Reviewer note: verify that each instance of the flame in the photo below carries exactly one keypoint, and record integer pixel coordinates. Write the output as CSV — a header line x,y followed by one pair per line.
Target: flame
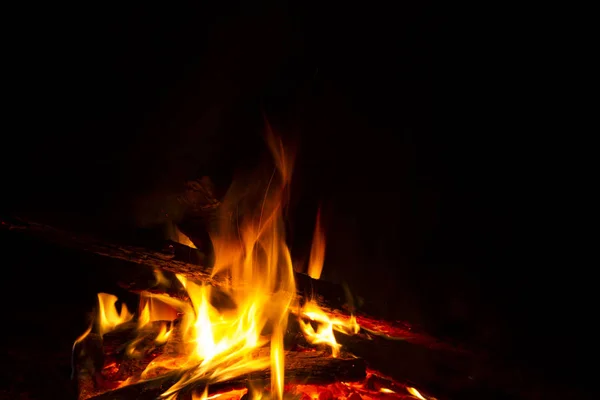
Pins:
x,y
157,308
250,250
230,395
163,333
277,364
215,343
326,326
182,238
82,337
317,251
144,317
415,393
160,278
108,316
174,233
203,396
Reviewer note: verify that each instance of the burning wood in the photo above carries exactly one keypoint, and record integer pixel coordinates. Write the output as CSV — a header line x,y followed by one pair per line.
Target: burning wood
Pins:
x,y
175,346
254,267
329,297
314,367
308,374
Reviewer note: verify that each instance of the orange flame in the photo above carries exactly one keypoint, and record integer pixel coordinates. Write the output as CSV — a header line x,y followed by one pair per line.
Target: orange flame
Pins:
x,y
250,249
326,326
317,251
163,333
108,316
179,237
415,393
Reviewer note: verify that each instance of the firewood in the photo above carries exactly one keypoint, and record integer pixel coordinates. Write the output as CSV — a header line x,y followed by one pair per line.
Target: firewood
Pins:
x,y
167,260
300,367
102,363
330,297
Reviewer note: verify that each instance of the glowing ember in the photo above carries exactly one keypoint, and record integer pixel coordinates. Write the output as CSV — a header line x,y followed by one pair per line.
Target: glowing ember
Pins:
x,y
339,391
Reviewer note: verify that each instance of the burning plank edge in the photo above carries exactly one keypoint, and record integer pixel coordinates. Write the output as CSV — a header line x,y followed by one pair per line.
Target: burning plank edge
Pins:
x,y
300,368
330,297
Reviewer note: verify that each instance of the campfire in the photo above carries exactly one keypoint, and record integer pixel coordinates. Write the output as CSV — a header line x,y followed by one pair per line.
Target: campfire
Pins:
x,y
252,335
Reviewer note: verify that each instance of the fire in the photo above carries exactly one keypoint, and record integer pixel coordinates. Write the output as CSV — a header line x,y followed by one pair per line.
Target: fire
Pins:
x,y
163,333
250,250
108,316
370,389
415,393
326,326
214,343
317,252
175,234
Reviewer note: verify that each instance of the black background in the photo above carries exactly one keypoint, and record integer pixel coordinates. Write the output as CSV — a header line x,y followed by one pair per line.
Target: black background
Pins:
x,y
417,130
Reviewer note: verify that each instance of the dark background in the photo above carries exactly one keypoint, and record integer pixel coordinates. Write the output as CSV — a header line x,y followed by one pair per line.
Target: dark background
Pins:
x,y
416,128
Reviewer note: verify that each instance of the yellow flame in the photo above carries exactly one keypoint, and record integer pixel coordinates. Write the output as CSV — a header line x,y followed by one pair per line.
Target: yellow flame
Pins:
x,y
182,279
386,390
108,316
250,250
326,326
323,335
415,393
182,238
160,278
317,251
144,317
163,333
277,363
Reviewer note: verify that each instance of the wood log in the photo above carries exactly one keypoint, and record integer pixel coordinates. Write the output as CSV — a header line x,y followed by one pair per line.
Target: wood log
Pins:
x,y
168,258
300,367
175,259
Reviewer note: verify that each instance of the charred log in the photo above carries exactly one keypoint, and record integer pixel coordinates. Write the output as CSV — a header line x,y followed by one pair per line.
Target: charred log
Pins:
x,y
173,258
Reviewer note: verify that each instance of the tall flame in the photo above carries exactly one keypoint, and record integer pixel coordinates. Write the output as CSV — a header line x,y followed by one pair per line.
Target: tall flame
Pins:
x,y
250,250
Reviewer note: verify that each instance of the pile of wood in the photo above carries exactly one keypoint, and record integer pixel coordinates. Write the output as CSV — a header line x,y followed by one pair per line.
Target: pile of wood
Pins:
x,y
103,363
391,347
